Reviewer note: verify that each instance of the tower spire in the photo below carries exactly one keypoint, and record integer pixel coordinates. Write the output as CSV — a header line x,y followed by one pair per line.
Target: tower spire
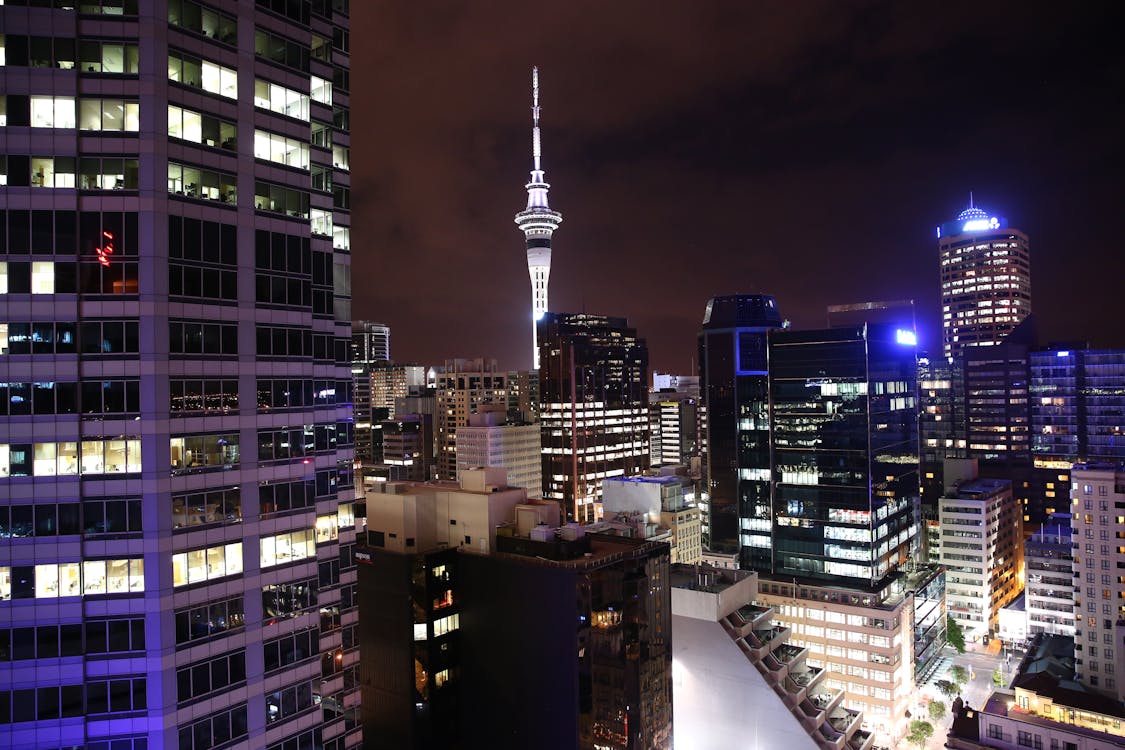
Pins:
x,y
536,149
537,222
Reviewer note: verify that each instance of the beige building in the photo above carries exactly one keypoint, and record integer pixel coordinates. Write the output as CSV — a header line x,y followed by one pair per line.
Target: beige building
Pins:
x,y
1097,492
465,385
866,641
412,517
488,441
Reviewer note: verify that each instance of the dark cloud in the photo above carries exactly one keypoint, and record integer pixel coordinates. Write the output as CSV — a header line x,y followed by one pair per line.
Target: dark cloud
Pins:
x,y
803,149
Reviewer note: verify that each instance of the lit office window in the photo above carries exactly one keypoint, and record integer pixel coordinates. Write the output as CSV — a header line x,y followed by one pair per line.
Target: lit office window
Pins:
x,y
320,90
199,128
278,148
202,74
281,100
109,114
287,548
209,563
52,112
204,184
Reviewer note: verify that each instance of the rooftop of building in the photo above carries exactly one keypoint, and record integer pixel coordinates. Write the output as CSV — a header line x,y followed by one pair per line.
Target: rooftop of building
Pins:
x,y
705,578
586,551
1017,605
976,489
1104,467
742,311
1048,654
1003,703
888,596
665,481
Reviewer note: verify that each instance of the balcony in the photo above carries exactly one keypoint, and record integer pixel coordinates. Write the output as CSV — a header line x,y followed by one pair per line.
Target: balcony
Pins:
x,y
772,637
816,707
861,740
751,617
845,720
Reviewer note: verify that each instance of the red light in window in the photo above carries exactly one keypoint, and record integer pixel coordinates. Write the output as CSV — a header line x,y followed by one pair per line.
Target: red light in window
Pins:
x,y
106,248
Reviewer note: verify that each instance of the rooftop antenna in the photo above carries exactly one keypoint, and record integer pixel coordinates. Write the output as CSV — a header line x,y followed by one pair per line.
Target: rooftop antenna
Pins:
x,y
970,192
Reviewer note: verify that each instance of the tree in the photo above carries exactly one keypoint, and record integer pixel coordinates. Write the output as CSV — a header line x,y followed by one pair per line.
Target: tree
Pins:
x,y
955,635
998,678
947,688
959,674
936,710
920,732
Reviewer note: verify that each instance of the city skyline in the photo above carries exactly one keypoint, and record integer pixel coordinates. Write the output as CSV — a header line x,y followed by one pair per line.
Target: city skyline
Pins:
x,y
700,152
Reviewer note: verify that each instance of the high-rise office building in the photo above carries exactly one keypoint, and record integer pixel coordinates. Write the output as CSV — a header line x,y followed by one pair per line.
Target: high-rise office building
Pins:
x,y
465,385
174,257
674,425
734,384
538,223
593,407
985,280
391,381
173,282
941,426
1077,399
843,420
1097,492
371,342
523,396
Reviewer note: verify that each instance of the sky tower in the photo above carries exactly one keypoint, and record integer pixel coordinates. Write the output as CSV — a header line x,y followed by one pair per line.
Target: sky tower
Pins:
x,y
537,222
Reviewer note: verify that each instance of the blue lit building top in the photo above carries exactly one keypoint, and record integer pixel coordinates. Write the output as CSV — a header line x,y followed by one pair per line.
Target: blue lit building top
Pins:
x,y
972,220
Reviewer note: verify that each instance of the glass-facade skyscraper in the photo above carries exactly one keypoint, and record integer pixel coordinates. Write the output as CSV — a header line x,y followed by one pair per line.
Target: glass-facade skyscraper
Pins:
x,y
734,385
845,452
176,518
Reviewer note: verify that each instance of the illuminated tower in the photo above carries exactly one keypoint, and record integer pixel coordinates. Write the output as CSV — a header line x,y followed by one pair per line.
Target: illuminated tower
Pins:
x,y
537,222
985,280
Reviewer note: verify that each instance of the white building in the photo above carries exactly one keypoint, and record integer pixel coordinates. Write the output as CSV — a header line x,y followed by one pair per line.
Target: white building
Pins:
x,y
488,441
982,551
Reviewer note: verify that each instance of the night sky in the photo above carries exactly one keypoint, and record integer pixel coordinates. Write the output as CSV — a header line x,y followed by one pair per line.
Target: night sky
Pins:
x,y
801,149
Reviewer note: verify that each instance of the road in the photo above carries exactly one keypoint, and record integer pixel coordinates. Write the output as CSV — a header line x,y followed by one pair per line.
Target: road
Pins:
x,y
981,665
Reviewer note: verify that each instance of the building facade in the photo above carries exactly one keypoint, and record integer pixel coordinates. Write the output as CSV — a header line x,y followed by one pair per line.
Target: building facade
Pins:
x,y
734,383
593,408
674,426
985,280
371,342
174,284
1097,492
843,419
982,551
1048,559
864,641
464,386
490,441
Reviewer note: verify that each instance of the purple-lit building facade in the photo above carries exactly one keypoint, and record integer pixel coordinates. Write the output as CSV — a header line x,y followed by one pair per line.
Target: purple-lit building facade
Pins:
x,y
176,518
